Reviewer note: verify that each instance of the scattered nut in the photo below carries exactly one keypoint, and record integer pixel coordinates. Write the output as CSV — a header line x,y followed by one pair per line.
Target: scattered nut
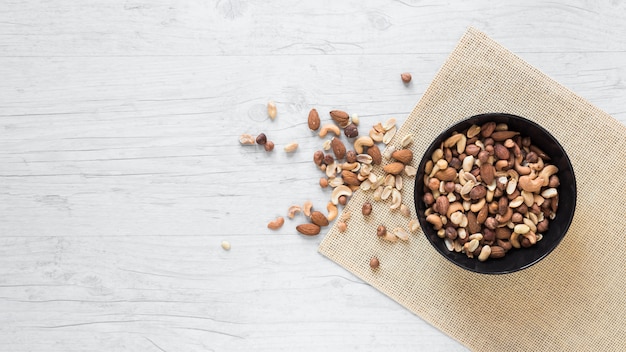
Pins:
x,y
340,117
308,229
406,77
306,209
314,120
269,146
381,231
355,119
271,109
367,208
261,139
226,245
351,131
319,219
293,210
246,139
291,147
276,223
374,263
332,211
342,226
331,127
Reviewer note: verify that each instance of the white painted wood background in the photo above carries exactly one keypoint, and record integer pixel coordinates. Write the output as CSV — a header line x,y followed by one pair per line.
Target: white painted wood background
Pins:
x,y
121,171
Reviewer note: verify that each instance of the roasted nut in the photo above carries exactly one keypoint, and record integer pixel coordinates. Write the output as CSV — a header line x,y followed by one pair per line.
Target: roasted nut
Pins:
x,y
226,245
374,263
367,208
351,131
406,77
340,117
374,152
363,141
338,148
276,223
331,127
314,120
261,139
318,157
269,146
309,229
246,139
291,147
319,219
342,226
404,156
271,109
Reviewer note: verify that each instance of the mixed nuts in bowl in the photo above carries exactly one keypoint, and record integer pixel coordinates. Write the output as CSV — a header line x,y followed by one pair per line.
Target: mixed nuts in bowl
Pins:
x,y
495,193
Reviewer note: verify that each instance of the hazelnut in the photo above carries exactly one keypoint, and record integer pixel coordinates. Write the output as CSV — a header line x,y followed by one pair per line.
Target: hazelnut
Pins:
x,y
269,146
374,263
351,131
318,157
406,77
328,159
343,200
261,139
381,231
367,208
323,182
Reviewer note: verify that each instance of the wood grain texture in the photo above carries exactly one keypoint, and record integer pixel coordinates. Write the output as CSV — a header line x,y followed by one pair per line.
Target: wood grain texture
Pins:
x,y
121,171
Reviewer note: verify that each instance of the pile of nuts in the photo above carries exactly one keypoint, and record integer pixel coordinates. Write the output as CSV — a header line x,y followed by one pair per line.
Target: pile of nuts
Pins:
x,y
488,190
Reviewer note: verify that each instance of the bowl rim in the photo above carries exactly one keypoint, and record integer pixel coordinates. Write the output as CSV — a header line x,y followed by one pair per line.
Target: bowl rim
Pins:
x,y
419,179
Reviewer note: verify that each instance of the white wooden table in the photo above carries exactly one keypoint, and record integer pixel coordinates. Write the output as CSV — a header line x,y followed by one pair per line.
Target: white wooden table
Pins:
x,y
121,171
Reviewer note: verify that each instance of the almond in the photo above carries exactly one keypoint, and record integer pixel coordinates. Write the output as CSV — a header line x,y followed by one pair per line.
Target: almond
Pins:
x,y
314,120
308,229
487,173
501,136
319,219
340,117
350,178
442,204
447,174
403,155
496,252
501,152
487,129
374,152
338,148
472,223
394,168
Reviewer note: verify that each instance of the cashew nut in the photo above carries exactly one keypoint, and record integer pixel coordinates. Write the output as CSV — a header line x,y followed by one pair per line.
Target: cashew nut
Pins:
x,y
435,220
331,127
308,205
360,142
530,185
515,240
332,211
530,235
522,170
293,210
548,171
454,207
475,207
339,191
276,223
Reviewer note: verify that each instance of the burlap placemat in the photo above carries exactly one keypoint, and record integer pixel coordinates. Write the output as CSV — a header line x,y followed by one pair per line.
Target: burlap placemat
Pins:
x,y
575,298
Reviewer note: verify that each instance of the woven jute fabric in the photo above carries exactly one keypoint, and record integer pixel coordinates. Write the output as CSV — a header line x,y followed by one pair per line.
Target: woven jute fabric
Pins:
x,y
572,300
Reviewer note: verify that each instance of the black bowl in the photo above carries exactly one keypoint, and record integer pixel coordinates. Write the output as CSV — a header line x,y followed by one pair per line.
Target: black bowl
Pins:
x,y
515,259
